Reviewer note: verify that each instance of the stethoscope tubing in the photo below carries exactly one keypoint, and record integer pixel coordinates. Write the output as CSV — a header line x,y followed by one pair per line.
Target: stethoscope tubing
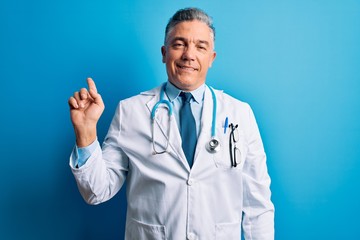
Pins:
x,y
210,146
170,108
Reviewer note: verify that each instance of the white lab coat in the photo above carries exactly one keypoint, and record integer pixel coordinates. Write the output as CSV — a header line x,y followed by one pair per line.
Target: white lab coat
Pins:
x,y
167,199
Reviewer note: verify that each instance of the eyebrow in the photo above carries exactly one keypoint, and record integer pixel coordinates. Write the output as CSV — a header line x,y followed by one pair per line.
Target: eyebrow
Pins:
x,y
185,40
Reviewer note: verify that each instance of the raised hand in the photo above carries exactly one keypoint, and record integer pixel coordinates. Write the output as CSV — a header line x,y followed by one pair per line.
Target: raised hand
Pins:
x,y
86,107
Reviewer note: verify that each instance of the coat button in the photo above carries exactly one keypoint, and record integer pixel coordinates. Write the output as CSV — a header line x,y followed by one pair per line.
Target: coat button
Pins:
x,y
190,181
191,236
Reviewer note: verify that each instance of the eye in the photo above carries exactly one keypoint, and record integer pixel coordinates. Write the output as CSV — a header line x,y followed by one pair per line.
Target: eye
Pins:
x,y
202,47
178,45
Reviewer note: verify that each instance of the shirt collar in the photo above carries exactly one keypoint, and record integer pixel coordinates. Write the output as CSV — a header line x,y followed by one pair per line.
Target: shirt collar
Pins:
x,y
173,92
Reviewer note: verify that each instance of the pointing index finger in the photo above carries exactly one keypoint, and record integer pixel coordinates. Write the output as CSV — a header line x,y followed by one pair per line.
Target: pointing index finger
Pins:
x,y
92,86
93,92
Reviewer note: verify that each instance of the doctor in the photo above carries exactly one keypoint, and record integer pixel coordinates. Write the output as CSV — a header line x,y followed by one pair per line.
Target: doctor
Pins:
x,y
158,141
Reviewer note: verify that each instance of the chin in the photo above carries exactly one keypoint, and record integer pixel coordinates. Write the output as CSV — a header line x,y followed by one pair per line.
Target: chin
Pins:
x,y
187,85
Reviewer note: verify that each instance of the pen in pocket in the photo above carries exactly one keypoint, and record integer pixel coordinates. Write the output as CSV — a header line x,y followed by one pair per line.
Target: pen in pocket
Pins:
x,y
226,124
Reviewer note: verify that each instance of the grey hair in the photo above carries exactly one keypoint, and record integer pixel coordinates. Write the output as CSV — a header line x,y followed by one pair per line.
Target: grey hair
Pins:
x,y
189,14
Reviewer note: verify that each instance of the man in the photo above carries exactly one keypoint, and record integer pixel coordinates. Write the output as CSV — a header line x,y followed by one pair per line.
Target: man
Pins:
x,y
177,186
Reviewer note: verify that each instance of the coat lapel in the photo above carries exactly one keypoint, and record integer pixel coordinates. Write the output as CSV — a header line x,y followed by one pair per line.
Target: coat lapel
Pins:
x,y
205,132
201,154
161,126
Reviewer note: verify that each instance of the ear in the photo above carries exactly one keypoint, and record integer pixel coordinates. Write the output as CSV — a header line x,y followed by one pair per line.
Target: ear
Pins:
x,y
163,53
212,58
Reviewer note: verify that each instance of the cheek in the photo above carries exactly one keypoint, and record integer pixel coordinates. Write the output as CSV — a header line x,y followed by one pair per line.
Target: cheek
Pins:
x,y
206,63
210,61
169,59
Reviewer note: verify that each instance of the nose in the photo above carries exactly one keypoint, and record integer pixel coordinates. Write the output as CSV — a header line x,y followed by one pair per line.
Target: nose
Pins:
x,y
189,53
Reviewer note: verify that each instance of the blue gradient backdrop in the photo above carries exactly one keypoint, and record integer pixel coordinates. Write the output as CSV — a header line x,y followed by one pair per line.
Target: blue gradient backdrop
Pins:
x,y
295,62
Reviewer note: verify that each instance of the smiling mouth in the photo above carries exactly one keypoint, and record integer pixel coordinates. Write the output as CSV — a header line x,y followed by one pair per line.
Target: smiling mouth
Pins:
x,y
186,68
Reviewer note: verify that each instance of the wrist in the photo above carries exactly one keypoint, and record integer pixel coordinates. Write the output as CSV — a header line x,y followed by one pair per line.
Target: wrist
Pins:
x,y
85,137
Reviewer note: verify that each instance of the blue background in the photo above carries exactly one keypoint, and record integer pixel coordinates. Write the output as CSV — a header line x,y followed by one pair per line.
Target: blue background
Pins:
x,y
295,62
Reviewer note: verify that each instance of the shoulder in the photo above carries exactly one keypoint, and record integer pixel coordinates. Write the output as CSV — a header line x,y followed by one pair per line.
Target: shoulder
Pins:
x,y
227,100
142,97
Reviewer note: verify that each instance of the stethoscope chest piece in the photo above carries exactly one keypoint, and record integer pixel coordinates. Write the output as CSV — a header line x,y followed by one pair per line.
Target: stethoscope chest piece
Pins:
x,y
213,145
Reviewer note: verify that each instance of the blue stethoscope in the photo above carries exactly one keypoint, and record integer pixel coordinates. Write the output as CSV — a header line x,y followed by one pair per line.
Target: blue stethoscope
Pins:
x,y
212,146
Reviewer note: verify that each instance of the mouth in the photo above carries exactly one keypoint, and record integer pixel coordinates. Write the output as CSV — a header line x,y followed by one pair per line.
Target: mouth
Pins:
x,y
186,68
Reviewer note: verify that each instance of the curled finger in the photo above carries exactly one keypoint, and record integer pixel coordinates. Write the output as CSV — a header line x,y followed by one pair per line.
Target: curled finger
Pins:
x,y
73,103
84,94
80,102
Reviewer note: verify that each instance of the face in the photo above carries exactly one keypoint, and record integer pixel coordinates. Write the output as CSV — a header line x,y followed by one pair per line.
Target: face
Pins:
x,y
188,54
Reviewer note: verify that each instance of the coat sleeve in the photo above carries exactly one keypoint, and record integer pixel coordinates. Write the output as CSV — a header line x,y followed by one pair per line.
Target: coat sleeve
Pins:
x,y
258,210
104,173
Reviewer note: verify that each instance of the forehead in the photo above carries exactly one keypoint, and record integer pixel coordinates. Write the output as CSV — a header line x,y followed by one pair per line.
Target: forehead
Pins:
x,y
191,30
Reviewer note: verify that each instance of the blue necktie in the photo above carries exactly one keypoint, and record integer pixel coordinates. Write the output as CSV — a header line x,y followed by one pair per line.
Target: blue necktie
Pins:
x,y
187,128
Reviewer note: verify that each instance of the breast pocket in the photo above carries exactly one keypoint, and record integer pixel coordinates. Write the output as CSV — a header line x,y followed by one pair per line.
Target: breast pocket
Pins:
x,y
231,153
